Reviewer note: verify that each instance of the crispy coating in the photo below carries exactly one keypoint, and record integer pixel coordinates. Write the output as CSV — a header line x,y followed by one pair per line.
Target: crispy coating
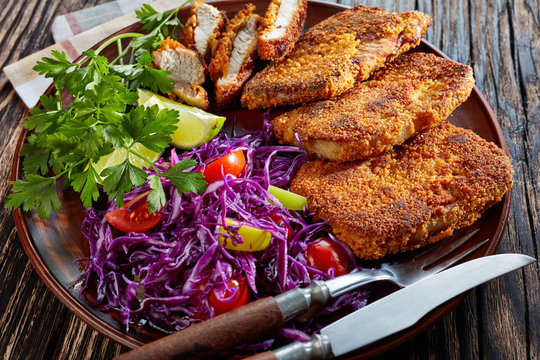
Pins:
x,y
203,37
418,193
235,57
312,71
186,69
276,41
220,63
334,54
412,94
187,36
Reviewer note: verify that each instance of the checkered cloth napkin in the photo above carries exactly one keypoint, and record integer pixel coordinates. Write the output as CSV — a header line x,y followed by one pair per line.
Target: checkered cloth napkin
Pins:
x,y
74,33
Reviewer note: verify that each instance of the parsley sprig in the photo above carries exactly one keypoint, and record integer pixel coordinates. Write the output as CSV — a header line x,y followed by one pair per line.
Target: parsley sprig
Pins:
x,y
100,115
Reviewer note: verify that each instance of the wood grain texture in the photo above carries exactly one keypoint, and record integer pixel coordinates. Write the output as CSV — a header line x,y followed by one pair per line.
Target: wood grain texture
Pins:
x,y
206,339
500,320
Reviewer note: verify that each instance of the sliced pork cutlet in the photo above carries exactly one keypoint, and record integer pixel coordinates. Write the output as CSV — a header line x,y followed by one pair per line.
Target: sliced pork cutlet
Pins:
x,y
412,94
203,29
417,194
380,36
235,57
186,69
333,55
282,26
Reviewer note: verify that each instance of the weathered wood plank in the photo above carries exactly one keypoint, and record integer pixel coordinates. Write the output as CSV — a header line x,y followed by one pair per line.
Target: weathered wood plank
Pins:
x,y
507,37
500,320
526,55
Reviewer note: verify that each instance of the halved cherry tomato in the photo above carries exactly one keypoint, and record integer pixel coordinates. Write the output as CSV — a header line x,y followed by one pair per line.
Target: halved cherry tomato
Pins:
x,y
136,220
232,163
325,254
196,298
279,221
237,297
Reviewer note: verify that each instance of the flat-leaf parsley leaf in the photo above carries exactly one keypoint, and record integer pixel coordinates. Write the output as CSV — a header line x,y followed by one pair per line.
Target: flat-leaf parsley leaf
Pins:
x,y
100,114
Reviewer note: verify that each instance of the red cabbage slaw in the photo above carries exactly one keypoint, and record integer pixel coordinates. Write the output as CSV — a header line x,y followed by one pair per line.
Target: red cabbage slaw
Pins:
x,y
162,278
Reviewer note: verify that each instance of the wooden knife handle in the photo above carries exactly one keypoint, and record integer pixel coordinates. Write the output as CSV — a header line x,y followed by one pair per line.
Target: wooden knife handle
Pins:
x,y
267,355
214,336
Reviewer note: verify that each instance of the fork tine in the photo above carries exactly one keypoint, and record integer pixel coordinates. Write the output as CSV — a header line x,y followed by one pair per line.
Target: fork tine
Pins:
x,y
432,255
449,262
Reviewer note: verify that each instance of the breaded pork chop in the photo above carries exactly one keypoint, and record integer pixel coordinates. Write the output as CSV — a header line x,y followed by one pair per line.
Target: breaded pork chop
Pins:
x,y
203,29
186,69
235,56
418,193
282,26
334,54
412,94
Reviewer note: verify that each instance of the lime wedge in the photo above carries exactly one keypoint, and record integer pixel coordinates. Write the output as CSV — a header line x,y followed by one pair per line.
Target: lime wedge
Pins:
x,y
254,239
195,126
144,95
119,155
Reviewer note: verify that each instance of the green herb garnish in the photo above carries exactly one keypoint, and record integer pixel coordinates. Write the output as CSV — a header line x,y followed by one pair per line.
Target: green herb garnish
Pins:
x,y
100,115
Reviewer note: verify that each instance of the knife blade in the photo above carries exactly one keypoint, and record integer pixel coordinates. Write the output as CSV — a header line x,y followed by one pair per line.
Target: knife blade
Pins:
x,y
398,311
251,321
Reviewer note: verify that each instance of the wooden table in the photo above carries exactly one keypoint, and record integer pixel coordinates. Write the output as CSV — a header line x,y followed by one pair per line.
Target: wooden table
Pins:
x,y
499,320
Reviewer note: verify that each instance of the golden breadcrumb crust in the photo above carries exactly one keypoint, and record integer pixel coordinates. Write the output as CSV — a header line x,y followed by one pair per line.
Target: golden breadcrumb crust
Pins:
x,y
412,94
187,36
195,96
169,44
192,94
276,48
418,193
312,71
230,91
213,41
334,54
381,35
219,67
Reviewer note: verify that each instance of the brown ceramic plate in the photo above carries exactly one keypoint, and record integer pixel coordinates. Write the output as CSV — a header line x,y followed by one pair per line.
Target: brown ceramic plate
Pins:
x,y
54,244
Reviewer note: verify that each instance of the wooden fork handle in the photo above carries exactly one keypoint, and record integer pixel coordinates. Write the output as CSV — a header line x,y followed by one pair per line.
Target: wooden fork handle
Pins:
x,y
214,336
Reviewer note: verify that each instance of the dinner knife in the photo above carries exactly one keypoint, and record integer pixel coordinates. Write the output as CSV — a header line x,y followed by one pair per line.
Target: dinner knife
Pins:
x,y
248,322
251,321
398,311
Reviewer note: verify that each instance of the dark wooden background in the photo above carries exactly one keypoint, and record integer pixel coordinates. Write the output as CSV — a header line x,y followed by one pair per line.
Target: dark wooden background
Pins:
x,y
499,320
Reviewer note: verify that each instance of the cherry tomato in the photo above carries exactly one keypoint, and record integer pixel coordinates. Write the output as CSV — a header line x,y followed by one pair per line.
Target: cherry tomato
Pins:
x,y
232,163
279,220
325,254
136,220
198,313
237,297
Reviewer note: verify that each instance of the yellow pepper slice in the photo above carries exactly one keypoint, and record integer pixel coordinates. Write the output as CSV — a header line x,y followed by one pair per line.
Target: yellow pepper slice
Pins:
x,y
254,239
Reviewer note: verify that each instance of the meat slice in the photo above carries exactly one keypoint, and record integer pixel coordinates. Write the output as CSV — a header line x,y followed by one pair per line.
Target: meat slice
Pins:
x,y
235,57
412,94
203,29
380,36
186,69
416,194
282,26
334,54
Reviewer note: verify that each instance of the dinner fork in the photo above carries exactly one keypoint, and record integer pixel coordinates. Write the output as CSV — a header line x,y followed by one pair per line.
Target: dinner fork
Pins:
x,y
252,321
403,271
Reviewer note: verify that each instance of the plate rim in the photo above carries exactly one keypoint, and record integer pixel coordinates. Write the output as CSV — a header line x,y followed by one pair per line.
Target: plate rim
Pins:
x,y
104,328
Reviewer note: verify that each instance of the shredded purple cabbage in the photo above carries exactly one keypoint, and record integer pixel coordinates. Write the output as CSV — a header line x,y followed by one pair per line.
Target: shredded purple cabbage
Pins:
x,y
163,278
